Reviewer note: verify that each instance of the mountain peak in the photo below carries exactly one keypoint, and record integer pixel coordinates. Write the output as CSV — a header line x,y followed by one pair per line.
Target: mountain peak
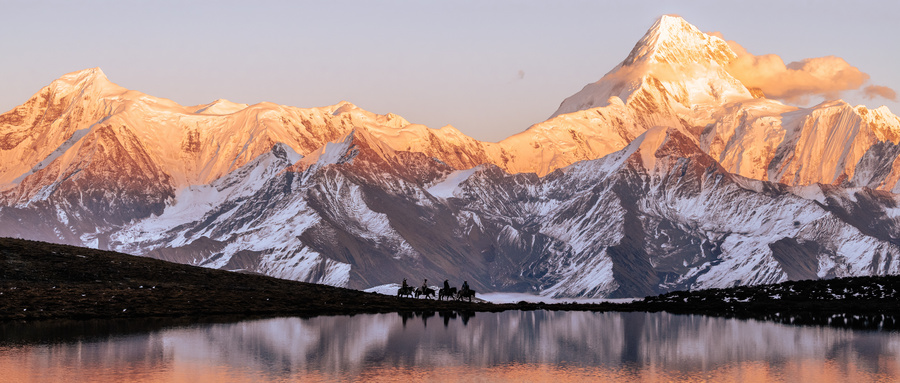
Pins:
x,y
84,76
220,106
344,107
648,143
78,81
671,25
674,58
673,40
661,142
95,72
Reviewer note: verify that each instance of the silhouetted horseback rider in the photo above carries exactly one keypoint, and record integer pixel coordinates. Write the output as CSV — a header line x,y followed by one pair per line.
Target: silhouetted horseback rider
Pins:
x,y
405,290
465,292
425,284
447,291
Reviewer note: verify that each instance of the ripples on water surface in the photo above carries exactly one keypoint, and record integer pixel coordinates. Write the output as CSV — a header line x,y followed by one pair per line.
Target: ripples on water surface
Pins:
x,y
507,346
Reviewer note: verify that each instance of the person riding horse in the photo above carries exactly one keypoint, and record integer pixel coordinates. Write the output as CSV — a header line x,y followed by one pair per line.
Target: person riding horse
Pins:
x,y
465,292
447,291
405,290
427,292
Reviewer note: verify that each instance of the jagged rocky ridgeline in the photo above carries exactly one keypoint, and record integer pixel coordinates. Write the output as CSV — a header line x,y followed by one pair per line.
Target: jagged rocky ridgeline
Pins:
x,y
657,177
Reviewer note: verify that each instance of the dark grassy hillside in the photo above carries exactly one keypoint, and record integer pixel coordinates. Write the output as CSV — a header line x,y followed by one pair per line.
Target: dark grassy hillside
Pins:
x,y
40,281
858,302
43,280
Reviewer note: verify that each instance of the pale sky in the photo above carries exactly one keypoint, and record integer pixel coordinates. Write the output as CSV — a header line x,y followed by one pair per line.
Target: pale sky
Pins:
x,y
489,68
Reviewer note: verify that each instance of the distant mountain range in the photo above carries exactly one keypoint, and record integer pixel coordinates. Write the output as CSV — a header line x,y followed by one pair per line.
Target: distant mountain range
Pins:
x,y
668,173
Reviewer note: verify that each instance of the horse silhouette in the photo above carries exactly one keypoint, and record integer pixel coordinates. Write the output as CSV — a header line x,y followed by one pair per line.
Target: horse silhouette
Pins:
x,y
449,293
405,292
467,293
427,292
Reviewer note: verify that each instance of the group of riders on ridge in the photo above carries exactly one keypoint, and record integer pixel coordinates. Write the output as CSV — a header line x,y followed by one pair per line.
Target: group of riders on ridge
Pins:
x,y
446,292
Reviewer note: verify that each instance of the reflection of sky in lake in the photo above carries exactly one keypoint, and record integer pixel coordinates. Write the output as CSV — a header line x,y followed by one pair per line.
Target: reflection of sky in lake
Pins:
x,y
513,345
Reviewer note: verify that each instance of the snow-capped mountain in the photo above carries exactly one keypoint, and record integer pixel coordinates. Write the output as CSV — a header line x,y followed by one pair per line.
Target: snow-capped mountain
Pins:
x,y
658,215
667,173
677,76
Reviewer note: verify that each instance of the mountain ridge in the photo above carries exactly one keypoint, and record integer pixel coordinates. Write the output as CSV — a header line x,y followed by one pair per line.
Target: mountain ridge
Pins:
x,y
667,173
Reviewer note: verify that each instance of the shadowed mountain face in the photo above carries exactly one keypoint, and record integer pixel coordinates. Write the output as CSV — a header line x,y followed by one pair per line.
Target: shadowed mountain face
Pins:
x,y
659,176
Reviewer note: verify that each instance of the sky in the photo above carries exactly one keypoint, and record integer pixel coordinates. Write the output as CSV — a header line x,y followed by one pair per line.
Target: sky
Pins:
x,y
489,68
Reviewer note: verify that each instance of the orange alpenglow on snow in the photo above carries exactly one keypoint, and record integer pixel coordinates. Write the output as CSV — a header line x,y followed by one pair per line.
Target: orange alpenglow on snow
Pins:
x,y
319,194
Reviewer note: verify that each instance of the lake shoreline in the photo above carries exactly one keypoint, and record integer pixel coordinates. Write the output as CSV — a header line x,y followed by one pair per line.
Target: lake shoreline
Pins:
x,y
41,281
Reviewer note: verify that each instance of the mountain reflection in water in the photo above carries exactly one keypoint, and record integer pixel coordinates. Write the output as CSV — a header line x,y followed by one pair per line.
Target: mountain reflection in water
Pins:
x,y
447,346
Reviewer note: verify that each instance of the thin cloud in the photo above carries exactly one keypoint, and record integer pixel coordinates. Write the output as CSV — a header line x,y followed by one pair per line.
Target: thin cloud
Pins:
x,y
873,91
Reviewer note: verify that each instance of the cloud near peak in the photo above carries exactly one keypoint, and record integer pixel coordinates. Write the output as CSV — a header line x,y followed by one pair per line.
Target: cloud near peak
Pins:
x,y
797,81
873,91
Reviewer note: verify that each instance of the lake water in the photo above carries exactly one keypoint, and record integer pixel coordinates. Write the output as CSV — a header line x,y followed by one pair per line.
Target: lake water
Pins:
x,y
508,346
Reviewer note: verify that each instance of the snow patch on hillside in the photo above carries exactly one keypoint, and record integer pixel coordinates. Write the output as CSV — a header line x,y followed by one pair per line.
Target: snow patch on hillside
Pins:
x,y
449,186
532,298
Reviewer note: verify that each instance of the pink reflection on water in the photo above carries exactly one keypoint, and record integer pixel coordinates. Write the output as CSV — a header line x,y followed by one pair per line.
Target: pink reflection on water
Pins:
x,y
491,347
18,370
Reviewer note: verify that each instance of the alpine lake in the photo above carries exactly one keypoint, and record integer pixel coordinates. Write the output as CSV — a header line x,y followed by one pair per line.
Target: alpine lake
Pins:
x,y
509,346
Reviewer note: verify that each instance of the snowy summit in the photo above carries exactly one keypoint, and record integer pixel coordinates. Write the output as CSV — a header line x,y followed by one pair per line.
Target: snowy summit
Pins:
x,y
667,173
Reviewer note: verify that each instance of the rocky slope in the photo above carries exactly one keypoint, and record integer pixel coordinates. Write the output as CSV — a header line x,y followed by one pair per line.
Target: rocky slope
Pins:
x,y
656,216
